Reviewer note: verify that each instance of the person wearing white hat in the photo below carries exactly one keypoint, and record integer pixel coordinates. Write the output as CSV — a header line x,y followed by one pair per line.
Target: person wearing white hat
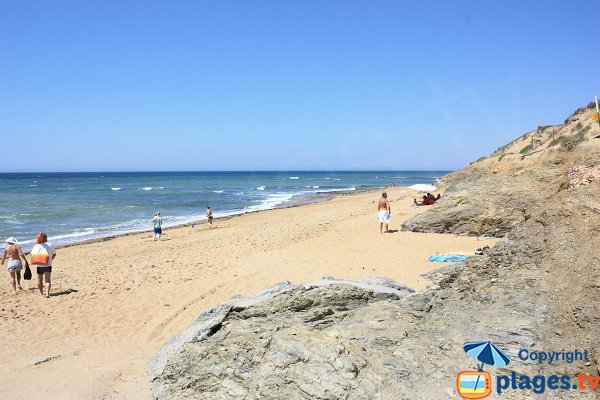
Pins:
x,y
13,253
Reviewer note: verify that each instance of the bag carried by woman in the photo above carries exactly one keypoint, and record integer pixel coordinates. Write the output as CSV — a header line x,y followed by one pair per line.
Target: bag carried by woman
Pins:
x,y
39,255
27,273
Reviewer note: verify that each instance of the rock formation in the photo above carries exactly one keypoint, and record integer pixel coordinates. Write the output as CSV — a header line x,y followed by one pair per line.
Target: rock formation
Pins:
x,y
538,289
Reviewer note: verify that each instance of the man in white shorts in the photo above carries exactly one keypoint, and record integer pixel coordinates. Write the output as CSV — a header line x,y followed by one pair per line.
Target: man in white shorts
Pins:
x,y
384,212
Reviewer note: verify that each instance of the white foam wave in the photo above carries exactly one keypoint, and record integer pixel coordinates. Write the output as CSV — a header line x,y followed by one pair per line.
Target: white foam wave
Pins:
x,y
347,189
115,189
147,188
33,185
11,219
271,201
260,188
315,187
336,179
294,177
76,234
217,191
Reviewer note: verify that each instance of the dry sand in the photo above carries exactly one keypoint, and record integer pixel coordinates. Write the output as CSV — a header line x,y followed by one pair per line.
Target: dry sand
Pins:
x,y
116,302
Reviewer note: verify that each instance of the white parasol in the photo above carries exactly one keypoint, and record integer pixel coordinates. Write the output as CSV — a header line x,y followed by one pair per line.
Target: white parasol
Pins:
x,y
422,187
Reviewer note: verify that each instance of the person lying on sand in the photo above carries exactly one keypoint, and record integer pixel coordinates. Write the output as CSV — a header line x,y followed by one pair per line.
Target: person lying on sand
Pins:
x,y
424,202
428,200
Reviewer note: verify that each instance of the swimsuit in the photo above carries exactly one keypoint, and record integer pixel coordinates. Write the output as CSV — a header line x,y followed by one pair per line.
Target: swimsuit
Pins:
x,y
14,265
41,270
384,216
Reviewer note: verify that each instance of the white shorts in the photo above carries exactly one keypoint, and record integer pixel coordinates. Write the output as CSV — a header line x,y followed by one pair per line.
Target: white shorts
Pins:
x,y
14,265
384,217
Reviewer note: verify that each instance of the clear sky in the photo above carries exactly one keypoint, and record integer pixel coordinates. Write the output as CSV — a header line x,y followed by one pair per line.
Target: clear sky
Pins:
x,y
285,85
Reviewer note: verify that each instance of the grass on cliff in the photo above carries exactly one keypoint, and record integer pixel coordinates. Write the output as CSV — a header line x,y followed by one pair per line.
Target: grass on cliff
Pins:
x,y
503,155
570,141
526,149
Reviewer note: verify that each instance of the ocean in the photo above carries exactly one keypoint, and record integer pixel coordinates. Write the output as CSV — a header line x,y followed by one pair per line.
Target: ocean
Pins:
x,y
74,207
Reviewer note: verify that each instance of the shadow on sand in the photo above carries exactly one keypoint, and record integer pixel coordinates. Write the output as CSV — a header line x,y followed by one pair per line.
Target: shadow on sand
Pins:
x,y
63,292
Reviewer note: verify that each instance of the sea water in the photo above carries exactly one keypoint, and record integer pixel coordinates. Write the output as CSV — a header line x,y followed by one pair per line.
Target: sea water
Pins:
x,y
73,207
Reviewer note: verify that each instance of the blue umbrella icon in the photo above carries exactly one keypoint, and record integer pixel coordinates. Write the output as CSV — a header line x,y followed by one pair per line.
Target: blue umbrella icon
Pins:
x,y
487,353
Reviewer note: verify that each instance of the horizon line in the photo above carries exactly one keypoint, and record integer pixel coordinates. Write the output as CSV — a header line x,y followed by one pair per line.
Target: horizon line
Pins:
x,y
249,171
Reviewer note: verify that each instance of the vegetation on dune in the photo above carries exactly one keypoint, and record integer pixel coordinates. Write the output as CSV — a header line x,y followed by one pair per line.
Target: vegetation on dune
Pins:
x,y
570,141
526,149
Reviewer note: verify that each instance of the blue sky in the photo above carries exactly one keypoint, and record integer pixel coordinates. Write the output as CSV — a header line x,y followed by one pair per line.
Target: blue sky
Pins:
x,y
285,85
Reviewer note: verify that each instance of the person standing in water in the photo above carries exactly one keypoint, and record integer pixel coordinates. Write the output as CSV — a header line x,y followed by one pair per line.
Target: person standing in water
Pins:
x,y
384,211
157,222
13,252
209,215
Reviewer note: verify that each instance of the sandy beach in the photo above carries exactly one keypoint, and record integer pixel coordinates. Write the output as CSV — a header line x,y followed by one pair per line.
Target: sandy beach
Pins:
x,y
115,302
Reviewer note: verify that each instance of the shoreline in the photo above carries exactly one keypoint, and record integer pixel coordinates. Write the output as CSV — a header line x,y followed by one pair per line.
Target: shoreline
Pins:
x,y
118,301
310,200
83,207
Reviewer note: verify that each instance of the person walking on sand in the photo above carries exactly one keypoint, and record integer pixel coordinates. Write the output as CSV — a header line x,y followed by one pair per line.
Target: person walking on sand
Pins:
x,y
157,222
42,256
384,212
13,252
209,215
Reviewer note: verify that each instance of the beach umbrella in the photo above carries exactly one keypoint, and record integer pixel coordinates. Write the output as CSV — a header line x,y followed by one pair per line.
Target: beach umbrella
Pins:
x,y
422,187
486,353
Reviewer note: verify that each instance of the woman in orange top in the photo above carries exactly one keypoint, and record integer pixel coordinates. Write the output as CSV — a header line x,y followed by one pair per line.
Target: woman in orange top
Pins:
x,y
42,255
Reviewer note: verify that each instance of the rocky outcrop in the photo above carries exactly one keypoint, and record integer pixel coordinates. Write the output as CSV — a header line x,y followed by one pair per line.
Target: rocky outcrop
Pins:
x,y
284,340
582,175
495,194
537,289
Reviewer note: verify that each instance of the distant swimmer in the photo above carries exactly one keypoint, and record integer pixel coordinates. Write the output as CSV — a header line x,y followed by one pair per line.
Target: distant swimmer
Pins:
x,y
157,222
13,253
384,212
209,215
